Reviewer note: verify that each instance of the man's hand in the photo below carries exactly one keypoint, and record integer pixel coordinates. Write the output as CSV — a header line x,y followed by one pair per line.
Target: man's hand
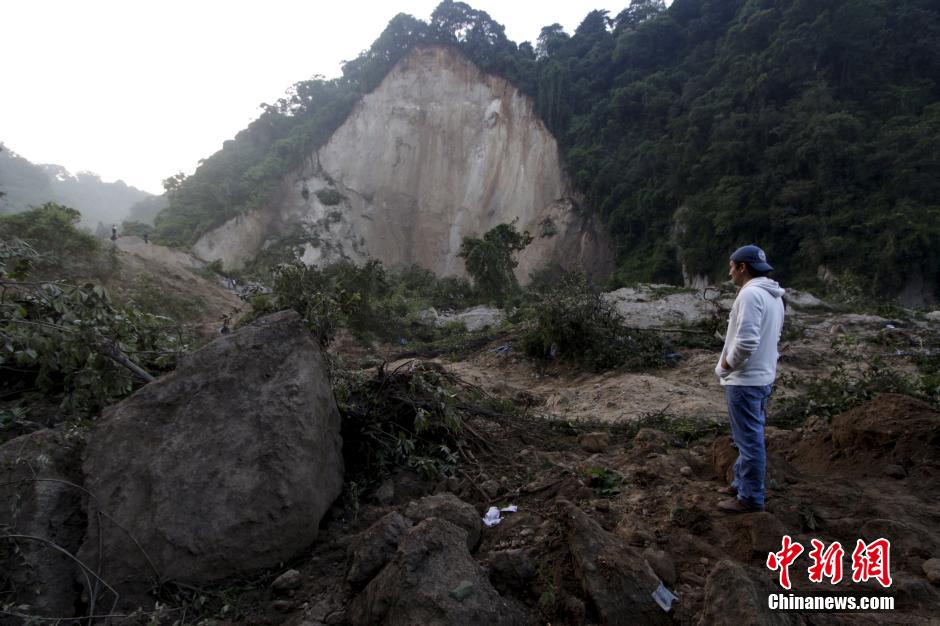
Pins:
x,y
724,364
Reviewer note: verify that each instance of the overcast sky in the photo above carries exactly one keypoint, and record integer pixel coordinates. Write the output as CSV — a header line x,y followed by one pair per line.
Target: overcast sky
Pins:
x,y
139,90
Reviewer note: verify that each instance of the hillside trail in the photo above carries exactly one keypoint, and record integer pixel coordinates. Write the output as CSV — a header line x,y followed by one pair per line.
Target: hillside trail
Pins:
x,y
169,278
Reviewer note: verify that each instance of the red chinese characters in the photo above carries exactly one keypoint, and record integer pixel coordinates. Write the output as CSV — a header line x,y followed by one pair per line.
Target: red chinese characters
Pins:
x,y
783,559
869,561
872,560
826,564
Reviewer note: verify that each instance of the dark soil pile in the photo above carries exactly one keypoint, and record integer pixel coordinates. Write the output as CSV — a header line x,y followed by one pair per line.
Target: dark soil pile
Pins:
x,y
592,525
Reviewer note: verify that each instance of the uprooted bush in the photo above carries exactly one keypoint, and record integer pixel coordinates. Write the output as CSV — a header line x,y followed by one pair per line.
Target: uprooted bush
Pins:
x,y
410,417
571,321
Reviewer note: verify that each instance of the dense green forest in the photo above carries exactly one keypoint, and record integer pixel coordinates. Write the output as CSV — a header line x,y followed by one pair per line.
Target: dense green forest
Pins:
x,y
810,127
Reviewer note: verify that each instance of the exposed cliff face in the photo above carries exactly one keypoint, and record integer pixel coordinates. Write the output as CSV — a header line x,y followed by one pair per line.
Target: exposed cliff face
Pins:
x,y
437,152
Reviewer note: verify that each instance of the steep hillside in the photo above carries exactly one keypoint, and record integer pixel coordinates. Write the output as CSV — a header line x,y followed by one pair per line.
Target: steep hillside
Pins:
x,y
811,128
437,152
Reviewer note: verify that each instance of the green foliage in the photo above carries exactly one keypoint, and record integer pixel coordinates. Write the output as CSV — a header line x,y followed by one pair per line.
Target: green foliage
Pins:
x,y
409,417
65,340
340,295
489,260
368,300
573,322
51,227
605,482
329,197
61,340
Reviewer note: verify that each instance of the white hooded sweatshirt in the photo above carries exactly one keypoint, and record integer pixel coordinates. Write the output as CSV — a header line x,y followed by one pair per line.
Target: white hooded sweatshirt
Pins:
x,y
753,332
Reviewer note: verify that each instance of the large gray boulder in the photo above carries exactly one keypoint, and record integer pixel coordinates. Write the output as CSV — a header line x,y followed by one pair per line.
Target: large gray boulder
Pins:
x,y
433,580
40,498
224,466
615,576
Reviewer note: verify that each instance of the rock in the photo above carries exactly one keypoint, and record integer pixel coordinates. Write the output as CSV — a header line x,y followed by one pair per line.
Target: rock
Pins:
x,y
803,300
407,485
476,318
758,534
433,580
41,577
733,597
860,319
655,306
222,467
283,606
375,547
428,316
594,442
573,610
685,470
895,471
514,568
932,570
491,488
385,493
649,440
449,507
288,581
933,316
613,575
662,564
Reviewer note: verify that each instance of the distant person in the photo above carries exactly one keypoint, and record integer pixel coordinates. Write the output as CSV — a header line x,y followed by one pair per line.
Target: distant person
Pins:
x,y
146,237
113,232
747,369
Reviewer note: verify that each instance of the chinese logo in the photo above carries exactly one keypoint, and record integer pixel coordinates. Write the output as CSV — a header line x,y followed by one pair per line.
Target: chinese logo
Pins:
x,y
869,561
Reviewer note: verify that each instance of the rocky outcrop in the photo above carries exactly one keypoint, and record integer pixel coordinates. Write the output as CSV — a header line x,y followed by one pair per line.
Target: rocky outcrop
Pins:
x,y
374,547
616,577
734,596
433,580
224,466
439,151
40,474
449,507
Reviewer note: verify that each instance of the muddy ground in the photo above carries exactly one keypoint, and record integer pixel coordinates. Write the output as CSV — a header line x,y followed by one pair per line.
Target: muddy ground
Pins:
x,y
871,473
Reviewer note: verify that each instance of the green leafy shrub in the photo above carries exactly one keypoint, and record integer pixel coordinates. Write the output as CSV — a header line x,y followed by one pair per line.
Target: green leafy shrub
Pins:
x,y
51,229
67,340
573,322
408,417
329,197
489,260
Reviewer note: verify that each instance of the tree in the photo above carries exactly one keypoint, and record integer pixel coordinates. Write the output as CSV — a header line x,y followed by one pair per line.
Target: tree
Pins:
x,y
489,260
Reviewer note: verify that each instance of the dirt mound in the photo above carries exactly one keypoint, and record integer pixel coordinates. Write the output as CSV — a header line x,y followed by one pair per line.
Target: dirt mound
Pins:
x,y
893,435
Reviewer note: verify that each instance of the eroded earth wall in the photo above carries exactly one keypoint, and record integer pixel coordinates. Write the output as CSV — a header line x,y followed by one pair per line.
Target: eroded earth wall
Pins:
x,y
437,152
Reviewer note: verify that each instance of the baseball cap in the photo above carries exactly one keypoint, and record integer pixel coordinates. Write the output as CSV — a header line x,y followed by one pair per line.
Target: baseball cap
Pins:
x,y
753,256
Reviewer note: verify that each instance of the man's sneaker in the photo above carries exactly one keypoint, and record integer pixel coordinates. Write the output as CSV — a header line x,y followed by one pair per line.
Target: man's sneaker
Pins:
x,y
736,506
727,491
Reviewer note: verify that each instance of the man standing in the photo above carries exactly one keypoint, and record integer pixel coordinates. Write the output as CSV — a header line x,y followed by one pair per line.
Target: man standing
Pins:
x,y
747,369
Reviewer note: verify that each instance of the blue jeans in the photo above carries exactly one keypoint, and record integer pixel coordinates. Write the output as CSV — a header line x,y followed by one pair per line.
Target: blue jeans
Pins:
x,y
747,406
